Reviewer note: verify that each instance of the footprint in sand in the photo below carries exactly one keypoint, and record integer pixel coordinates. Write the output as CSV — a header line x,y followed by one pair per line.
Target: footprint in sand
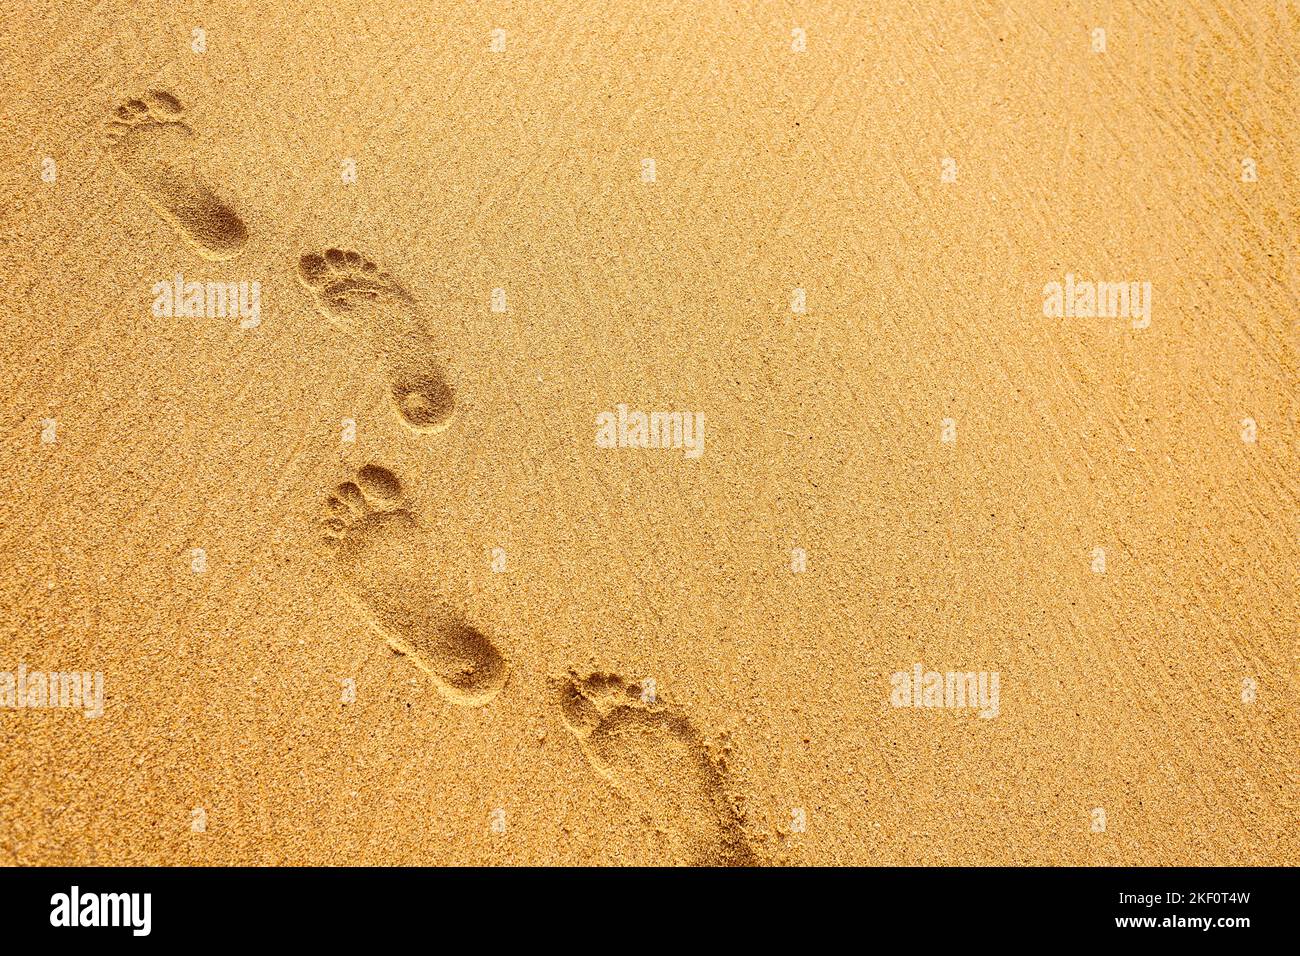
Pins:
x,y
386,566
354,294
149,139
658,761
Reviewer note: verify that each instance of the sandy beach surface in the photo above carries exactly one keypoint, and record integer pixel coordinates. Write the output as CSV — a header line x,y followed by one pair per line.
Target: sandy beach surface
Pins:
x,y
625,433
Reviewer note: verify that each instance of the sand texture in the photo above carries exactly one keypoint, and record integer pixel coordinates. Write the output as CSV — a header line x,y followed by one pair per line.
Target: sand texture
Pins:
x,y
326,333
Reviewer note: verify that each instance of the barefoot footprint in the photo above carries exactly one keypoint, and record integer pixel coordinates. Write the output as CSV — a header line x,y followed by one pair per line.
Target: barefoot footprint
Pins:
x,y
149,140
387,567
657,760
352,293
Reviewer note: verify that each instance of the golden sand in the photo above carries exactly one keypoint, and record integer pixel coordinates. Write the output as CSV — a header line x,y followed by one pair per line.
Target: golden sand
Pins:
x,y
365,586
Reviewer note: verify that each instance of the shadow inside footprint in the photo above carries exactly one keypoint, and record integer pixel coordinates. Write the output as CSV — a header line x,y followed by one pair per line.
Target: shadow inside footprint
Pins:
x,y
655,757
386,566
149,140
423,400
354,294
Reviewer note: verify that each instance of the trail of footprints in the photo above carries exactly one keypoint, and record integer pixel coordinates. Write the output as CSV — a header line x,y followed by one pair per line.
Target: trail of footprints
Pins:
x,y
649,753
382,558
